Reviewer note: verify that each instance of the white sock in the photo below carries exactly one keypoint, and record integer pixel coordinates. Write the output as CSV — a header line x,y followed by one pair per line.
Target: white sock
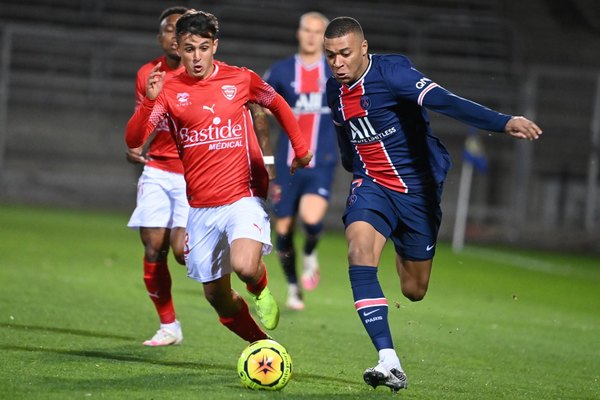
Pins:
x,y
389,359
174,326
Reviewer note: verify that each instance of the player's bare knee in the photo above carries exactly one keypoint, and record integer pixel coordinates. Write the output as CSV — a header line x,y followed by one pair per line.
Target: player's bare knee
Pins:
x,y
359,256
247,273
414,293
179,257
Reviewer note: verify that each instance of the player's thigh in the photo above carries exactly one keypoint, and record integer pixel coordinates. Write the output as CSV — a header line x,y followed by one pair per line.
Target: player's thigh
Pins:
x,y
312,208
367,220
420,217
245,257
206,247
365,244
249,233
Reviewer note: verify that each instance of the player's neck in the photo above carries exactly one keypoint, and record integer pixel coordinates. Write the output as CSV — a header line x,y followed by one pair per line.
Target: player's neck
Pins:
x,y
172,63
310,58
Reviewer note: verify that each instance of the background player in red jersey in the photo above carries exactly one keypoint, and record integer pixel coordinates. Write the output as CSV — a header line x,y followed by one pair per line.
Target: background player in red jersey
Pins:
x,y
228,228
162,208
378,104
300,79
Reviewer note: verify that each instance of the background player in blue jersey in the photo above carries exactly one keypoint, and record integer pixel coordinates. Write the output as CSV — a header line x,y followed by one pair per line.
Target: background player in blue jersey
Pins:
x,y
378,104
301,80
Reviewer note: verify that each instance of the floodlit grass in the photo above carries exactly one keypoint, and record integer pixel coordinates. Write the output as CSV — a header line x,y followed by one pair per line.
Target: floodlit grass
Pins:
x,y
496,324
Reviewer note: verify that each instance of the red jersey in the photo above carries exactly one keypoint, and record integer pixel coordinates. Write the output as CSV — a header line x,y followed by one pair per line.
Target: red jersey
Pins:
x,y
221,157
162,152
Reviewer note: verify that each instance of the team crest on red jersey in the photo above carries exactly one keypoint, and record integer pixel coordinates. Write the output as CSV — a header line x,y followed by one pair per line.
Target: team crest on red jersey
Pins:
x,y
229,91
183,99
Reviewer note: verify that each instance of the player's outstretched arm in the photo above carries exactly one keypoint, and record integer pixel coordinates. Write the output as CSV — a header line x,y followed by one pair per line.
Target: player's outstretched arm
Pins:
x,y
522,128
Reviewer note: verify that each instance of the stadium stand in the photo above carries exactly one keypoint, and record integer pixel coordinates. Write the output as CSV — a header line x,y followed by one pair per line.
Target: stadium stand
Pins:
x,y
72,65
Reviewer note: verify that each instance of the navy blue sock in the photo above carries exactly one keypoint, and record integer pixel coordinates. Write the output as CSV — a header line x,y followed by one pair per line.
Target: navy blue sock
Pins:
x,y
371,305
287,256
313,233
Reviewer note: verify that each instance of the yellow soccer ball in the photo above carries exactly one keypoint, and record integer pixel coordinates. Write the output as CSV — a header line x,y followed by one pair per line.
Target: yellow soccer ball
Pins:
x,y
265,365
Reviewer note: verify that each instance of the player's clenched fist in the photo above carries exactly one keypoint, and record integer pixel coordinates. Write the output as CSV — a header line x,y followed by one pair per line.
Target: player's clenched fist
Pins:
x,y
301,162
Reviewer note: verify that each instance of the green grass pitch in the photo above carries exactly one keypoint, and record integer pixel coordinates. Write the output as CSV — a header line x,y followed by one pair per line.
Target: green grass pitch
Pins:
x,y
496,323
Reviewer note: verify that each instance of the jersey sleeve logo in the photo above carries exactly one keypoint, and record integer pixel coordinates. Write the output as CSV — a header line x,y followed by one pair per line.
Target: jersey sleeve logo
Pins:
x,y
229,91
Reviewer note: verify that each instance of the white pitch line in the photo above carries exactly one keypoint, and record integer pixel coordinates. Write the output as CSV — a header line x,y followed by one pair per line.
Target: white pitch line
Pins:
x,y
515,260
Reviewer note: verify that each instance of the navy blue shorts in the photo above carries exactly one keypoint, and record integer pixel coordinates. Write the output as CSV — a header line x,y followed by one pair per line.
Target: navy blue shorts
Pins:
x,y
410,220
288,189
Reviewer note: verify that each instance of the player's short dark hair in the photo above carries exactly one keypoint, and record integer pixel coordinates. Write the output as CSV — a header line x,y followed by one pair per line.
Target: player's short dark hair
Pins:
x,y
342,26
172,10
200,23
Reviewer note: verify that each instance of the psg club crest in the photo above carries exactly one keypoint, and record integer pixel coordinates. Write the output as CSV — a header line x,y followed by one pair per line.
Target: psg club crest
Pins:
x,y
365,102
229,91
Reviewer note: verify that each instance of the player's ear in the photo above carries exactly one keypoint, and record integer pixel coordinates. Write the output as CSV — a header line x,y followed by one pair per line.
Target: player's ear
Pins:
x,y
215,45
364,47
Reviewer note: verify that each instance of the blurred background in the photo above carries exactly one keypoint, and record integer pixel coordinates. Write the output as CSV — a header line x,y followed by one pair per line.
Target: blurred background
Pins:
x,y
67,73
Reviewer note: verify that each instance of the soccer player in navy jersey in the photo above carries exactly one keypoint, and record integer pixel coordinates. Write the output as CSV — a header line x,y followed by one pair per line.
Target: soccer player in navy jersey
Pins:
x,y
301,79
378,105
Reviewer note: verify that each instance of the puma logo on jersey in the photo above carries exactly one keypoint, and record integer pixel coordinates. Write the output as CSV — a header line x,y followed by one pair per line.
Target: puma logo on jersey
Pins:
x,y
211,108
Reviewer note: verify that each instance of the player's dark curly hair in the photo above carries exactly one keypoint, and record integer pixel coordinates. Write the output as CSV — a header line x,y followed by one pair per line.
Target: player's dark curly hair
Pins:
x,y
172,10
342,26
199,23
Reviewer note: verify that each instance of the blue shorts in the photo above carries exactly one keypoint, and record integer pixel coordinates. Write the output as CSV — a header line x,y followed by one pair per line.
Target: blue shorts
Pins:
x,y
288,189
410,220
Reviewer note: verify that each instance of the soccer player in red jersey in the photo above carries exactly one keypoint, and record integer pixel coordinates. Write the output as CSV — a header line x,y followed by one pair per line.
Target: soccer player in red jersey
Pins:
x,y
300,79
379,103
162,207
228,228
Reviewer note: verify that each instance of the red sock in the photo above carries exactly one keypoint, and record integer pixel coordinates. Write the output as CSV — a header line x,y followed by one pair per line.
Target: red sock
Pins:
x,y
158,284
243,325
258,287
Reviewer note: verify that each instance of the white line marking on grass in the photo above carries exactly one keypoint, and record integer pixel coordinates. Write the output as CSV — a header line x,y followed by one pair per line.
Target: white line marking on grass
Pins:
x,y
519,261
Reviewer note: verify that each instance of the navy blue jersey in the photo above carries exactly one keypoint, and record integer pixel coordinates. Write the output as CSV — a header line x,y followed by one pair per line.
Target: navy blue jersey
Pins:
x,y
303,87
384,126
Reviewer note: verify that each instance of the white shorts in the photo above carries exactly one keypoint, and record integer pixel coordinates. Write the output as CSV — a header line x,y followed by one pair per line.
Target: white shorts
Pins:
x,y
211,230
161,200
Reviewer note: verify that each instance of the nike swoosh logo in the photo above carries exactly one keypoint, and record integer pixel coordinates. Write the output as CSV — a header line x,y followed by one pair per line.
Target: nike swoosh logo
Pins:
x,y
428,248
366,314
